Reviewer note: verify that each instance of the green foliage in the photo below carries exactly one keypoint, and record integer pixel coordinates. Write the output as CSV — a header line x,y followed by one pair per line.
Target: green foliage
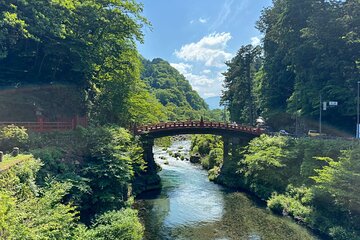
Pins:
x,y
296,203
145,108
12,136
315,181
312,148
210,148
263,164
300,60
340,233
19,180
173,91
31,212
341,180
122,224
240,83
203,144
90,44
164,142
214,173
28,212
216,157
56,165
112,159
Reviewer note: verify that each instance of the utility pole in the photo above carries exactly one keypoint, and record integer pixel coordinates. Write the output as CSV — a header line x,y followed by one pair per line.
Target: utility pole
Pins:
x,y
320,106
357,116
296,116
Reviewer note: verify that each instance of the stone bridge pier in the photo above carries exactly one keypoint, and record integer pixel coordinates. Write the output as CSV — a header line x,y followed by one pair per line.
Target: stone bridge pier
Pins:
x,y
148,144
232,153
233,136
231,150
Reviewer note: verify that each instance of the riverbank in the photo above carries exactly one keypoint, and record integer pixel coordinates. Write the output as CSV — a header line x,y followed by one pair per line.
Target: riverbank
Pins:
x,y
301,178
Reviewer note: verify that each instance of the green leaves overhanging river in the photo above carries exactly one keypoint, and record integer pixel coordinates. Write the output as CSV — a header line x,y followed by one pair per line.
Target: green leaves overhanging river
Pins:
x,y
189,206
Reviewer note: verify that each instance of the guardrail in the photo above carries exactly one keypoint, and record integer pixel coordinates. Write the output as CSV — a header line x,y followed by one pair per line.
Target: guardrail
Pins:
x,y
45,126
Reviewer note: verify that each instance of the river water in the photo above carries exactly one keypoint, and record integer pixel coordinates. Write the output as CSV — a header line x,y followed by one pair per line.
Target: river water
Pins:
x,y
191,207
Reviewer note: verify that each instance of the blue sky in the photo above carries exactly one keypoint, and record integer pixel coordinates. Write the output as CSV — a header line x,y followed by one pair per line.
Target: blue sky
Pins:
x,y
198,36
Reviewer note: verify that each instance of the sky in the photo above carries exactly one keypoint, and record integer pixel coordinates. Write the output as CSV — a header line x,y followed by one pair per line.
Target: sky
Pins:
x,y
198,36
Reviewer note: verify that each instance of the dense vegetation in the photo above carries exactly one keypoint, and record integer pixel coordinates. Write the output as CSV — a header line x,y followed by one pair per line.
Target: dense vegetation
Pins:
x,y
210,148
93,49
310,48
309,55
175,93
80,189
28,211
90,44
315,181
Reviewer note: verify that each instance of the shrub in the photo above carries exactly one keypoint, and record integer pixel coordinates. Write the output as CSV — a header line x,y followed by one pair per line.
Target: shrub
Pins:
x,y
111,160
284,204
340,233
205,162
13,136
215,157
54,163
122,224
214,173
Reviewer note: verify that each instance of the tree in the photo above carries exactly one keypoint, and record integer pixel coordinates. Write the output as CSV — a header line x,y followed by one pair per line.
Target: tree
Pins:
x,y
239,84
122,224
341,179
310,48
88,43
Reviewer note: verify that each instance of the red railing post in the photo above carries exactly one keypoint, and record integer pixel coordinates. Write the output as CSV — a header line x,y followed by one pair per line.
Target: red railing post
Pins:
x,y
41,123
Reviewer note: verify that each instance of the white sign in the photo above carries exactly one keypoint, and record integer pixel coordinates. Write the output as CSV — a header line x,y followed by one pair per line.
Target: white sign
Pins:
x,y
333,103
324,106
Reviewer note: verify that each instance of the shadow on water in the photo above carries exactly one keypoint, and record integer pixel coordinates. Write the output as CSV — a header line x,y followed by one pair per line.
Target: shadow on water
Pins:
x,y
190,207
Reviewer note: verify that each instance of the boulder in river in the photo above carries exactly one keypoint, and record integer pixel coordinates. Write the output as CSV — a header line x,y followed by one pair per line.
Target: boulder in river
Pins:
x,y
195,158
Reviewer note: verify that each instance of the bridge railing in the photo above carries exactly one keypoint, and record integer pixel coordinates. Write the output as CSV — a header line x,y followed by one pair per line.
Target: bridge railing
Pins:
x,y
197,124
42,126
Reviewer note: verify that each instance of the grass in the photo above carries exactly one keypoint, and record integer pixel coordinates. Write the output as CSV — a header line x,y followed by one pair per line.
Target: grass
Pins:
x,y
10,161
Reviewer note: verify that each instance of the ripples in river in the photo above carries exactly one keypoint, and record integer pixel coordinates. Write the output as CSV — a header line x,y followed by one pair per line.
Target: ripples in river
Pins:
x,y
191,207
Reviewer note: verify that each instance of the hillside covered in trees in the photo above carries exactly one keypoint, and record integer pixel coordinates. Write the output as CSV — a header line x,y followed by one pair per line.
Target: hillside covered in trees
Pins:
x,y
89,51
310,50
175,93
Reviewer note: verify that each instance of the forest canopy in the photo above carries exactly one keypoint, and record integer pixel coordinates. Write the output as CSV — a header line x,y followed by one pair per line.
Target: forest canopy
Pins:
x,y
310,49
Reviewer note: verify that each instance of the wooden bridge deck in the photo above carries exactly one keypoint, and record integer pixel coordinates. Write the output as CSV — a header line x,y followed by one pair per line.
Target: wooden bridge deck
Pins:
x,y
169,126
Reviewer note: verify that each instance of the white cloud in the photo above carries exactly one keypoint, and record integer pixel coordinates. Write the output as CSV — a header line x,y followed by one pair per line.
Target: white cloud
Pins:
x,y
203,20
209,50
223,14
206,85
183,68
194,79
255,41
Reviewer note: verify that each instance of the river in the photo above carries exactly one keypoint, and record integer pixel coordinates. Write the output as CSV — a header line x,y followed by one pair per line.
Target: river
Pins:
x,y
191,207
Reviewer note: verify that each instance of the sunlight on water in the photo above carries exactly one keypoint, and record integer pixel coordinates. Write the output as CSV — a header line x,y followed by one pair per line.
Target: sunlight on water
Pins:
x,y
189,206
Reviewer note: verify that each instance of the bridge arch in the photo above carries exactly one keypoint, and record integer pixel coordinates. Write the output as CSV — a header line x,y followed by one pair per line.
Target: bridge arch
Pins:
x,y
232,135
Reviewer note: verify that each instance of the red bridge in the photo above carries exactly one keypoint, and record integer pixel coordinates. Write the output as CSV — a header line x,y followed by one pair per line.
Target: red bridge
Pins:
x,y
197,127
230,133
